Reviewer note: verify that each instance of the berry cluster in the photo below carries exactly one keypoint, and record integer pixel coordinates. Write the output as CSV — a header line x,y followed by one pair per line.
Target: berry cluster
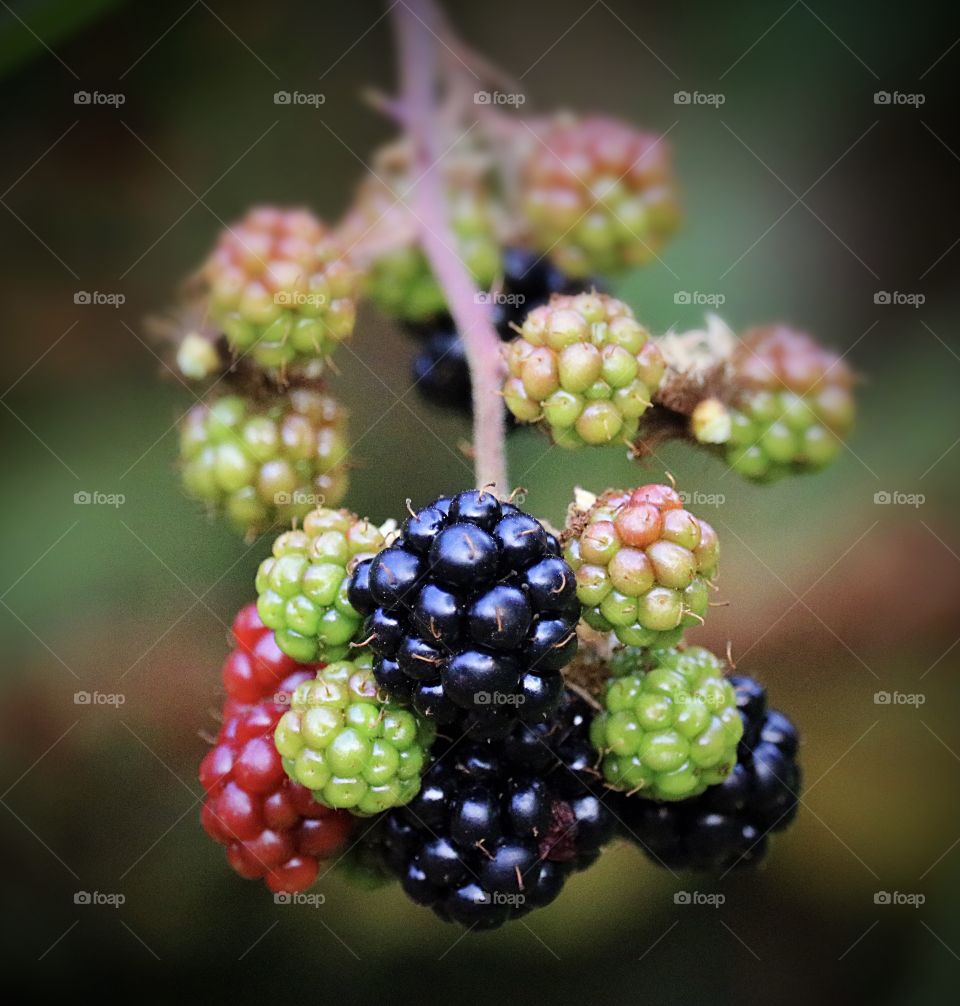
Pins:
x,y
302,587
727,825
472,613
281,288
345,742
265,462
497,827
440,367
598,194
643,564
585,366
793,406
272,827
669,727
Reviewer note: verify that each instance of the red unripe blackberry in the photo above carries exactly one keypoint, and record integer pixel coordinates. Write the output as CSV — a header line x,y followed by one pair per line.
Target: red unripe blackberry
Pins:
x,y
598,194
282,288
272,827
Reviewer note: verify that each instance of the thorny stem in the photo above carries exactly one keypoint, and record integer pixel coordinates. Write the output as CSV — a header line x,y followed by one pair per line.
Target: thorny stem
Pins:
x,y
419,66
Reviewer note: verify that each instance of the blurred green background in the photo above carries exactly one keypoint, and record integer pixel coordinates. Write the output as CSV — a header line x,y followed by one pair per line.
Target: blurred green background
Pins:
x,y
803,199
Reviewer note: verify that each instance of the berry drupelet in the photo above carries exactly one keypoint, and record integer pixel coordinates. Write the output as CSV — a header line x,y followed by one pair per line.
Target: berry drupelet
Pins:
x,y
349,745
265,462
281,288
471,612
728,825
272,827
669,726
302,587
643,564
586,367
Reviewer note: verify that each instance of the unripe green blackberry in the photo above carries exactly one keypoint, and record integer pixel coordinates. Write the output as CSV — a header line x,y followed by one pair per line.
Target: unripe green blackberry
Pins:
x,y
598,194
265,461
344,741
302,587
791,408
670,728
281,288
586,367
643,564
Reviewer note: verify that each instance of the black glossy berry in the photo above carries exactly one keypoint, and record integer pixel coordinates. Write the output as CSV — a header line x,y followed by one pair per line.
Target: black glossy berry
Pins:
x,y
464,557
440,861
441,372
550,585
522,541
394,575
388,631
419,660
420,530
528,808
392,679
475,679
552,646
437,617
475,817
430,700
504,871
358,590
500,619
476,506
539,692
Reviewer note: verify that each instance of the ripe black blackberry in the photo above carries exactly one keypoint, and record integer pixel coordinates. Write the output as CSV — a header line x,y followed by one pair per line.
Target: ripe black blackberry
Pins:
x,y
499,825
472,614
440,368
728,825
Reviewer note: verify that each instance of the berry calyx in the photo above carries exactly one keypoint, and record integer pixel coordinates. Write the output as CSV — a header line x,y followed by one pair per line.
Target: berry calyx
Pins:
x,y
598,194
643,564
349,745
669,729
302,586
273,828
586,367
265,461
281,288
471,613
728,824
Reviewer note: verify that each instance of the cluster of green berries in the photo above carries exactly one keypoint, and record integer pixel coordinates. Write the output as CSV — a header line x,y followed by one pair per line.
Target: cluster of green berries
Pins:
x,y
265,461
302,586
586,367
669,727
281,288
643,564
792,410
597,194
350,746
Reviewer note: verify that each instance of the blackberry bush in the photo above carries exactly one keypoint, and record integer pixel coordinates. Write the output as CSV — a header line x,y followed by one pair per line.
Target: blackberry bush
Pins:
x,y
264,462
345,742
729,824
281,287
586,367
643,564
302,587
471,612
